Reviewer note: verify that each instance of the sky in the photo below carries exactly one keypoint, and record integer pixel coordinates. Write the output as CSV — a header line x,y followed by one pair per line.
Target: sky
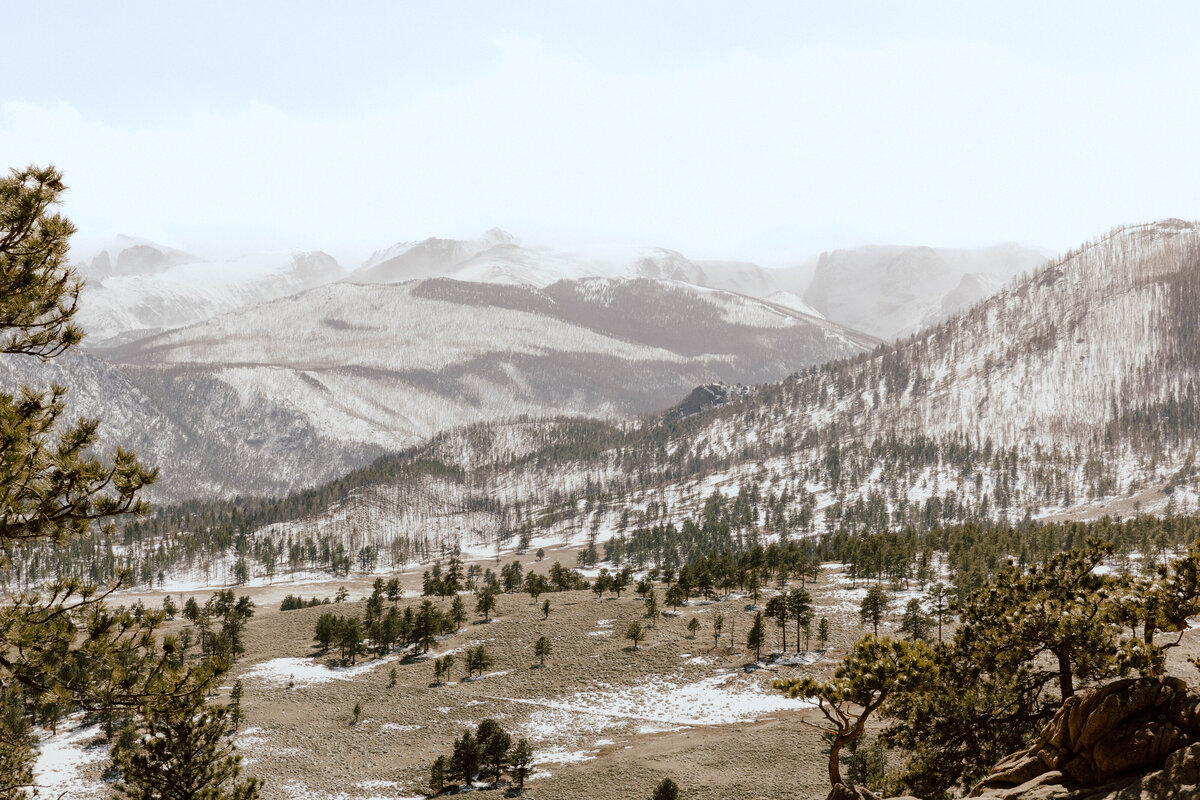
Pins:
x,y
755,131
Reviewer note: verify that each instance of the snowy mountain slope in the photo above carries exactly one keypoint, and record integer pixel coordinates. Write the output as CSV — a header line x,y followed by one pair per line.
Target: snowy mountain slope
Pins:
x,y
286,393
145,288
1063,393
892,292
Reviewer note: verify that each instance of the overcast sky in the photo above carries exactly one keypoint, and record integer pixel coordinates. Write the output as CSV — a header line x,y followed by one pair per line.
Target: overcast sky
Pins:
x,y
736,130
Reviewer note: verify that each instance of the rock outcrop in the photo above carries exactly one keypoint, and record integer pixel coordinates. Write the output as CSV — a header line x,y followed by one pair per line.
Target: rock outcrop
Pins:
x,y
1132,739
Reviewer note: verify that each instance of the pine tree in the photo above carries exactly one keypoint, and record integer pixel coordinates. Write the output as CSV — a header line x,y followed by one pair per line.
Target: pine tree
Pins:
x,y
778,609
635,633
546,608
718,625
864,680
666,790
235,705
939,605
915,621
800,607
485,603
62,646
823,632
466,757
693,626
494,743
520,757
183,755
542,649
438,773
651,603
458,612
874,606
757,636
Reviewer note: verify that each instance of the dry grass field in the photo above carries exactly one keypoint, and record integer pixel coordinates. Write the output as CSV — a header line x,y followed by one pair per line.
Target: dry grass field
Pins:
x,y
607,721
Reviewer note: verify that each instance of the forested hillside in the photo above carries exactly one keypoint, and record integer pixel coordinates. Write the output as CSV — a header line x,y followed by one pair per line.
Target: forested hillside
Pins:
x,y
1067,391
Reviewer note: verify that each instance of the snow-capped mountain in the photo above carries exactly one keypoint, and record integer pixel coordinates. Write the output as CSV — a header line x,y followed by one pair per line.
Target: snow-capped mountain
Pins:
x,y
1072,391
134,287
282,394
891,292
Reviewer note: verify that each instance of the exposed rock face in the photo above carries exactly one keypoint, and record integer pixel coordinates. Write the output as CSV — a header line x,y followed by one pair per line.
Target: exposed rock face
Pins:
x,y
1135,738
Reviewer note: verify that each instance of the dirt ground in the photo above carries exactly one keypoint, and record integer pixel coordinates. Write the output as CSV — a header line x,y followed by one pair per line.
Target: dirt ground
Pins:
x,y
300,738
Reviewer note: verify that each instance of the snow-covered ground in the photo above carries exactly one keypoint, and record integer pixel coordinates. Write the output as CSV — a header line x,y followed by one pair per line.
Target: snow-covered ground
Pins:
x,y
306,671
61,759
567,729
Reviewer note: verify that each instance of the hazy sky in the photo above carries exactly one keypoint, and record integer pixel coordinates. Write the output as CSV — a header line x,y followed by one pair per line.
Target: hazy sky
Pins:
x,y
748,130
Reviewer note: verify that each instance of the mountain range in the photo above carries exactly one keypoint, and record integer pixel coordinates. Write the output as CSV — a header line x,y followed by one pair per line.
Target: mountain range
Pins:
x,y
1071,392
269,373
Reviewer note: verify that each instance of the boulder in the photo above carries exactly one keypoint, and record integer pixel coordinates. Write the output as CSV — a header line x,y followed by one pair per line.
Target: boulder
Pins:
x,y
1136,738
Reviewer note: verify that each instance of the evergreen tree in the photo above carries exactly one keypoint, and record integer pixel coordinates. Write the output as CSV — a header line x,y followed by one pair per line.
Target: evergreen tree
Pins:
x,y
546,608
520,758
693,626
800,607
939,605
183,755
466,757
458,612
542,649
651,603
778,610
756,637
494,743
62,646
485,603
635,633
235,706
823,632
676,596
718,625
666,790
874,606
915,621
863,681
438,774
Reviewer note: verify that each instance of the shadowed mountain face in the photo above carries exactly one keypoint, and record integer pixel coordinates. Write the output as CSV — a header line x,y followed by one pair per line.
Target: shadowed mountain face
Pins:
x,y
286,393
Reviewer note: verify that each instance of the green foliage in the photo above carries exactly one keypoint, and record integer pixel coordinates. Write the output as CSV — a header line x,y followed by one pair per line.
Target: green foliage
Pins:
x,y
666,790
542,649
1020,649
873,607
494,743
635,633
864,680
489,746
693,627
756,637
485,603
915,623
63,648
439,772
520,758
183,755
